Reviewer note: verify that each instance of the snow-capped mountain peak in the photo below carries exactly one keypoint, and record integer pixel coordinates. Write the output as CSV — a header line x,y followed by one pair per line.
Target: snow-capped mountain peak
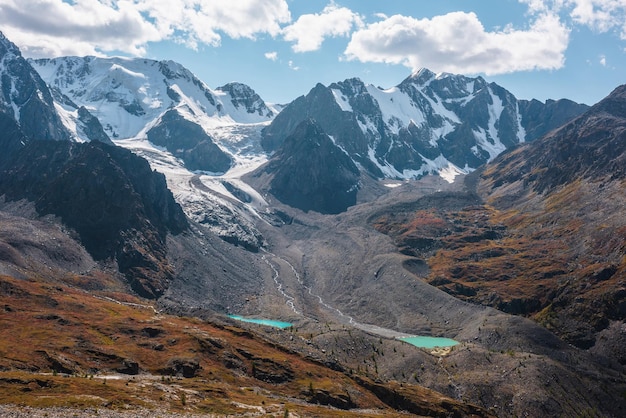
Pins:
x,y
196,135
421,76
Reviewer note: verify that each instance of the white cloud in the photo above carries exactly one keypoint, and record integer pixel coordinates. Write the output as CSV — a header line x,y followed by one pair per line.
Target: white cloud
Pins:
x,y
293,66
310,30
201,21
54,27
457,42
272,56
599,15
603,60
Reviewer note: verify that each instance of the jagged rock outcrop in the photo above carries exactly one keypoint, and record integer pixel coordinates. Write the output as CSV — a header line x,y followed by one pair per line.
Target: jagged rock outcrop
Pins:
x,y
540,118
91,126
311,172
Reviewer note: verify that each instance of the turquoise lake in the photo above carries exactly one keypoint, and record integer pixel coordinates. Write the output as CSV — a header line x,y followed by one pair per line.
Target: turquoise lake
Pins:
x,y
268,322
429,342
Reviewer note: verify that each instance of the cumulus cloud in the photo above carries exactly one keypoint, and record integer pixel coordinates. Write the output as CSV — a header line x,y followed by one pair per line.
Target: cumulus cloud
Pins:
x,y
202,21
54,27
310,30
599,15
458,42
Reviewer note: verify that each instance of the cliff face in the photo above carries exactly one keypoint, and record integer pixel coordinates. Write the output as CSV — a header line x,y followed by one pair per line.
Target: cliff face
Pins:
x,y
189,142
119,207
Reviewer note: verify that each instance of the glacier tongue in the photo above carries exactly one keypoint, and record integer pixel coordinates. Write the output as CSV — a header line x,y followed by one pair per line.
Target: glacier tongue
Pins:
x,y
204,198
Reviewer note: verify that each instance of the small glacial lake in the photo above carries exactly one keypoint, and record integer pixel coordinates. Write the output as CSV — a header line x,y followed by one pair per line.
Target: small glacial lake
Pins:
x,y
267,322
429,342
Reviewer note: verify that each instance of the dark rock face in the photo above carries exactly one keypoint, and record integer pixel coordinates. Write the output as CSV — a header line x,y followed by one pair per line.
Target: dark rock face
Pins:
x,y
324,397
119,207
92,127
128,366
185,367
425,121
190,142
11,139
540,118
26,98
310,172
270,371
320,105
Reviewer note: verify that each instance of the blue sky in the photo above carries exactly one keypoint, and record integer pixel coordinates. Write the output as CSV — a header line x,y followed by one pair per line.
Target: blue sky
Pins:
x,y
281,48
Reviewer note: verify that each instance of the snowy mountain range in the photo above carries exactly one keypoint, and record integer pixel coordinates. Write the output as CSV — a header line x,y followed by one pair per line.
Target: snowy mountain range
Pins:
x,y
428,124
129,95
134,98
204,140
